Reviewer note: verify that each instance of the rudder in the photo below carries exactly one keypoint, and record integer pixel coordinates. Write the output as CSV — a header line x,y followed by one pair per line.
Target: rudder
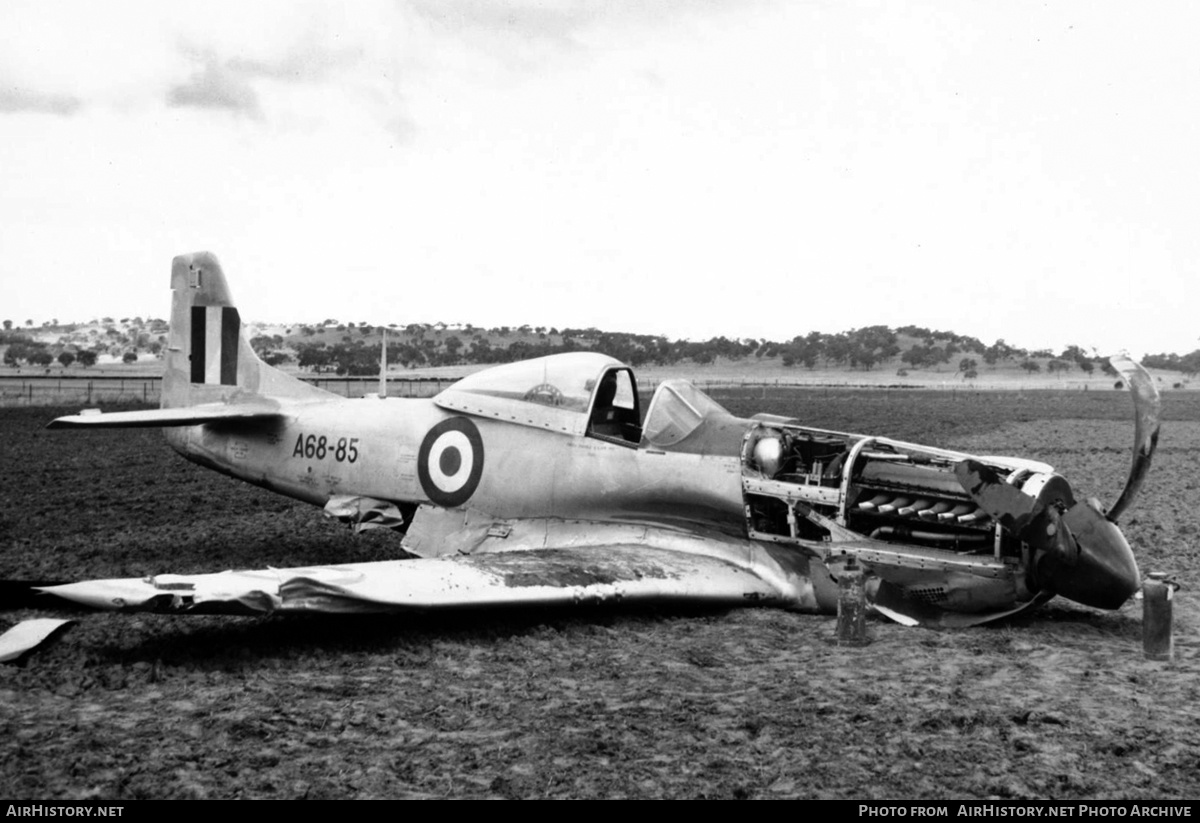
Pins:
x,y
209,359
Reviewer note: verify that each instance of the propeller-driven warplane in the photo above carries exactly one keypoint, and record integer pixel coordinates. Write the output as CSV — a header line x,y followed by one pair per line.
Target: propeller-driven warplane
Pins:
x,y
542,482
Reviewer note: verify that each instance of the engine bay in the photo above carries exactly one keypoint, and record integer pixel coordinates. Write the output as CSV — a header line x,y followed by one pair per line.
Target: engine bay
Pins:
x,y
885,489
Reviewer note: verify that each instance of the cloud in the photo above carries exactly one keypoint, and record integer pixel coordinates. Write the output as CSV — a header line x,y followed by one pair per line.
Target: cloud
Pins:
x,y
284,63
530,21
304,62
216,86
564,23
14,100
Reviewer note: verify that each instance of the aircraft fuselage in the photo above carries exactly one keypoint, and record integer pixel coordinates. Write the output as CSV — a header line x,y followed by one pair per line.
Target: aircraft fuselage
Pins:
x,y
373,447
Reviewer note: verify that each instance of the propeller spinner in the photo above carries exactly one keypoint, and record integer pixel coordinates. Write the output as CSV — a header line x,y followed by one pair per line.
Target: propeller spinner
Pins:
x,y
1078,551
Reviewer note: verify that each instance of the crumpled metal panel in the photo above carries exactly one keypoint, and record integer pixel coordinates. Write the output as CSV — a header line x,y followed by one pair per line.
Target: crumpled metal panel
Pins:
x,y
364,513
438,532
553,576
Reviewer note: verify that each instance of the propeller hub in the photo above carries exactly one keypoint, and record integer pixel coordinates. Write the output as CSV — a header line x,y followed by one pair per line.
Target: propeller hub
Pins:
x,y
1098,567
1078,552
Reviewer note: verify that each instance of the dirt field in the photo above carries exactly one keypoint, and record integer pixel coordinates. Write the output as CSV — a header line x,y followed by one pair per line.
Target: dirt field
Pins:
x,y
654,703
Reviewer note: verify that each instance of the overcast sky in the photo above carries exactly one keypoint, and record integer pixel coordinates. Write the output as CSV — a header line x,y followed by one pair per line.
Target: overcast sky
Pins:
x,y
750,169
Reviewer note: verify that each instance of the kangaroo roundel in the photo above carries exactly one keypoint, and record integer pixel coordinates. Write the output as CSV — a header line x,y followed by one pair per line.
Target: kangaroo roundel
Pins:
x,y
450,462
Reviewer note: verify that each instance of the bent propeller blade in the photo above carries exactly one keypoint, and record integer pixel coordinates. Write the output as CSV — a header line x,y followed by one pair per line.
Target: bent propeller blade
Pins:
x,y
1011,507
1147,404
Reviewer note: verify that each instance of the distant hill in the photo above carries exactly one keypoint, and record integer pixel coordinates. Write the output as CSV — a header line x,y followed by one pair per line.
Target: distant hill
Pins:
x,y
336,348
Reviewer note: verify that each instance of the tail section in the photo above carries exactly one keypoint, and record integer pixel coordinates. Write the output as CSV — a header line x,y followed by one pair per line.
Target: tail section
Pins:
x,y
209,359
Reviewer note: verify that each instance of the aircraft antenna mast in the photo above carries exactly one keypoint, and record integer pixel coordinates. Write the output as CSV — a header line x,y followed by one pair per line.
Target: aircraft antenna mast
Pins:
x,y
383,364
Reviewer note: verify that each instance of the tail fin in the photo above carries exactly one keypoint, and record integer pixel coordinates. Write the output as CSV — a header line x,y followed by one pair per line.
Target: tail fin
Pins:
x,y
209,359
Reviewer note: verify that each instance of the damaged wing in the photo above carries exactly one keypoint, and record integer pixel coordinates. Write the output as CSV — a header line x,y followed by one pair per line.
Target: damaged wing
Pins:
x,y
545,577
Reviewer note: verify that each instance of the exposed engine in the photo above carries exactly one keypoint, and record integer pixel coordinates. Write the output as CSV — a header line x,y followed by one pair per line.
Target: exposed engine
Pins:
x,y
883,488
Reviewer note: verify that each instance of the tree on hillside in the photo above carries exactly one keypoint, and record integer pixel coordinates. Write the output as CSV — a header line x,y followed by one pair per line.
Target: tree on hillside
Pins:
x,y
924,357
8,325
1055,366
87,358
803,350
129,357
1188,364
862,357
66,358
313,356
1031,366
998,351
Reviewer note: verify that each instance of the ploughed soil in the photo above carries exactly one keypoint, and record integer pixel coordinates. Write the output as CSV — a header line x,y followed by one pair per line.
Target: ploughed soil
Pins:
x,y
748,703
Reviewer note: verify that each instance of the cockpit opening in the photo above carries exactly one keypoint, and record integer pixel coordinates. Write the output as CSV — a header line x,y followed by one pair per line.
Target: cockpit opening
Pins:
x,y
615,414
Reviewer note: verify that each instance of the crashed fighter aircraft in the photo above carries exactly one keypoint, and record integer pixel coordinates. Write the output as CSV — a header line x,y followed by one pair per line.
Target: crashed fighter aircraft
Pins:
x,y
542,482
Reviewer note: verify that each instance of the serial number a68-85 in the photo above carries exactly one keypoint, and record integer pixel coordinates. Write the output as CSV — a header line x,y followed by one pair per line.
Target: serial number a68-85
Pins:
x,y
319,447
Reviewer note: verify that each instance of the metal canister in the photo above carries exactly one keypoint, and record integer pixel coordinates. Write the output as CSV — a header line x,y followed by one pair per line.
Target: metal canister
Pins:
x,y
852,606
1158,639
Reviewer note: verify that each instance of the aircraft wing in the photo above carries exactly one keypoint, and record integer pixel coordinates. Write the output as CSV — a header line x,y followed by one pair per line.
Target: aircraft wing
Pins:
x,y
184,416
542,577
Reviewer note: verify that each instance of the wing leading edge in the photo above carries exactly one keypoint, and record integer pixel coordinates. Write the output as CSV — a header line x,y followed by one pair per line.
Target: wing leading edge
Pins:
x,y
545,577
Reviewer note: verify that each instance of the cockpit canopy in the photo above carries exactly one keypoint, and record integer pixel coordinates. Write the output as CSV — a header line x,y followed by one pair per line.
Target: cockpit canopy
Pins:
x,y
677,410
576,393
585,393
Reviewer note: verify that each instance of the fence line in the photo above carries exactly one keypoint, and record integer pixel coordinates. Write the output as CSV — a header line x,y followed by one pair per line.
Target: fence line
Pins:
x,y
54,390
45,390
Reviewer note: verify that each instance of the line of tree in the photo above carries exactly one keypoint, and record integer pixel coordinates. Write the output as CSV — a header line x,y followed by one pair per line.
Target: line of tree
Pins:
x,y
438,344
20,349
1188,363
864,348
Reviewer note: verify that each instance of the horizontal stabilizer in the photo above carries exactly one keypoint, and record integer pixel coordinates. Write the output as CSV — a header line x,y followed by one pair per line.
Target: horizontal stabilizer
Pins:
x,y
27,636
545,577
149,418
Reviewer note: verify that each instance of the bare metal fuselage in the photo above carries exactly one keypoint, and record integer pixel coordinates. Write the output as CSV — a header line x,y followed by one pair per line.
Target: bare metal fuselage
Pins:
x,y
370,447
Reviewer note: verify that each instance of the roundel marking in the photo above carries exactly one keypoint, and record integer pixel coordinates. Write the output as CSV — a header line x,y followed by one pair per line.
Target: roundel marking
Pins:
x,y
450,462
